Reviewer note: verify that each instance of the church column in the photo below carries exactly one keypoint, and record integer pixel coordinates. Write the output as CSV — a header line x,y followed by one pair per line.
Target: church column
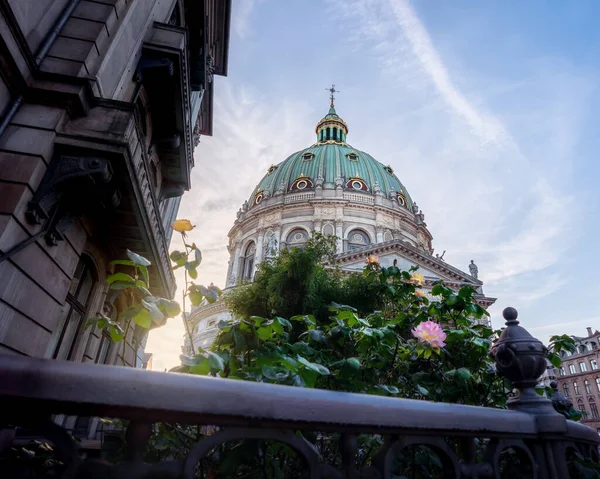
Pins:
x,y
339,234
259,247
277,231
379,234
235,270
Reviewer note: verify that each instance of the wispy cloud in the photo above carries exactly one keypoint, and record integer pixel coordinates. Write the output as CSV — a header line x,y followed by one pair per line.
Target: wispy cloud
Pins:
x,y
484,198
242,16
250,133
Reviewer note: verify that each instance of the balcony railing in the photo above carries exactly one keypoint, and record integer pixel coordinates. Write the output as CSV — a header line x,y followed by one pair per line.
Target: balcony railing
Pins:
x,y
469,441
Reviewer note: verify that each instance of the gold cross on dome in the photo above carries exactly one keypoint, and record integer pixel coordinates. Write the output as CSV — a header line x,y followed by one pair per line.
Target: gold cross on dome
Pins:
x,y
331,91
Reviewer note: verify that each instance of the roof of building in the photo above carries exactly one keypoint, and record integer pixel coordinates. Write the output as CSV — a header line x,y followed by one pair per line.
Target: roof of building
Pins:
x,y
332,162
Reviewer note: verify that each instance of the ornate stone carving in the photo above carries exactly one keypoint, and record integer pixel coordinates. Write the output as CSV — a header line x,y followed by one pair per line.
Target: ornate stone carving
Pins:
x,y
271,245
71,186
376,188
319,180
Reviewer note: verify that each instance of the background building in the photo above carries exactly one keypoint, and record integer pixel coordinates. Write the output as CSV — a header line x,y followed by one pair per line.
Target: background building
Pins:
x,y
102,103
335,189
579,377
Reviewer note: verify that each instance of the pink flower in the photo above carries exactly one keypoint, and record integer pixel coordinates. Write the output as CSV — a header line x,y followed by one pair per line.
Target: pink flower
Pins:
x,y
430,332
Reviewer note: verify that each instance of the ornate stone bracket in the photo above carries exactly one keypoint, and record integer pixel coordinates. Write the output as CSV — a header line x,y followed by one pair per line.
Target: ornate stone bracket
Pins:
x,y
72,186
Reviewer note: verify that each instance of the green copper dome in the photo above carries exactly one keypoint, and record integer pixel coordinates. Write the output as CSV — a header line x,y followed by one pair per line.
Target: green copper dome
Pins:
x,y
331,163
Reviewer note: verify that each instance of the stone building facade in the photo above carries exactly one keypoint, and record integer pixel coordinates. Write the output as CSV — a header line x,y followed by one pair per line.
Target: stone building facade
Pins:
x,y
102,103
579,377
335,189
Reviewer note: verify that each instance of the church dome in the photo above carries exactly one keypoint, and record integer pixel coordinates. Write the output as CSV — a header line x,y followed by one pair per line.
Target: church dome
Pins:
x,y
331,163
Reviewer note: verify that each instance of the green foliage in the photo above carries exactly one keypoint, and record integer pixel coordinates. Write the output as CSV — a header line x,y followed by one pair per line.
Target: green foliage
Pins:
x,y
132,301
348,348
297,282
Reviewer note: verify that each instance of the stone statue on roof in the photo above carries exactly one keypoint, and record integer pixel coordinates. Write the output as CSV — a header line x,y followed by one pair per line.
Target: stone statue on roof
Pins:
x,y
473,269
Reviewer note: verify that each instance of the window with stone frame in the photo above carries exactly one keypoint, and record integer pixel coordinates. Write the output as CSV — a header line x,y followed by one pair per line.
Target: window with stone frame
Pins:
x,y
76,309
562,371
357,239
587,386
104,348
248,261
582,367
297,238
594,410
566,390
577,389
572,369
581,407
593,364
598,384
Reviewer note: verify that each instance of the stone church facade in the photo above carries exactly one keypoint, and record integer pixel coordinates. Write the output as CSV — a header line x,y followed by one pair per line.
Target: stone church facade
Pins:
x,y
335,189
102,104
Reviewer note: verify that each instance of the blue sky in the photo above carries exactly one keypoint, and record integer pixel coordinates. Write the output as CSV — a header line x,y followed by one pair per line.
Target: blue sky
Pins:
x,y
487,111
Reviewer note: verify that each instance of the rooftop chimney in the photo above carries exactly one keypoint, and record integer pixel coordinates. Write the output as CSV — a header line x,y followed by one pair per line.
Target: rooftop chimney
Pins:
x,y
589,332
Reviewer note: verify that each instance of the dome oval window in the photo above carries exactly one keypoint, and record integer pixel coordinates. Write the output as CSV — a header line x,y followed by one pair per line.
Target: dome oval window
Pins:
x,y
301,183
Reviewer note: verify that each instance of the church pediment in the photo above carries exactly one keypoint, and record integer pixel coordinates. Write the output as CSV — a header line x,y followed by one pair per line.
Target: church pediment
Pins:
x,y
406,257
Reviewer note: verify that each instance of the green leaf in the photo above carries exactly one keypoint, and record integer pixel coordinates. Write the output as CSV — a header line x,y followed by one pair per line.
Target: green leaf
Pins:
x,y
155,312
121,277
191,270
422,390
195,297
197,257
143,318
316,335
215,361
316,367
171,307
178,258
388,389
466,292
211,293
354,363
125,262
202,368
137,259
116,333
274,373
452,300
464,374
284,322
144,271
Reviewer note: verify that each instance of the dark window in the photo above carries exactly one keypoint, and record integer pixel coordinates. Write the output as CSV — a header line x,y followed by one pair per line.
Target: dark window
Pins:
x,y
594,410
566,390
248,265
104,348
577,389
335,134
328,134
75,310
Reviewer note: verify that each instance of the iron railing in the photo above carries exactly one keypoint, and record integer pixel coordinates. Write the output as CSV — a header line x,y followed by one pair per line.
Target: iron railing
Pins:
x,y
469,441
